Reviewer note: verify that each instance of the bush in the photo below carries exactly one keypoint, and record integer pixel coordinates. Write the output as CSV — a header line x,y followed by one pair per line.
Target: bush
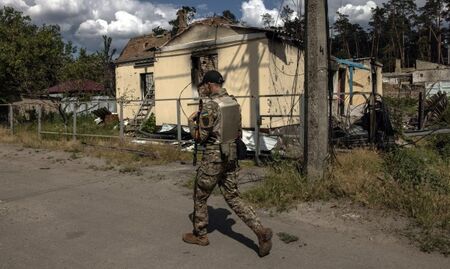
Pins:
x,y
283,187
441,144
149,125
398,109
418,166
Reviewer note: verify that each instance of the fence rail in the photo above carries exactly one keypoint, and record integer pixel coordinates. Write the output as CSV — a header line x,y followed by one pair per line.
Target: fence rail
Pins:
x,y
50,118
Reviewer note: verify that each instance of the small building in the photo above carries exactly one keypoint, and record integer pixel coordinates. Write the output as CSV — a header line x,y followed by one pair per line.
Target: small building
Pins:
x,y
89,95
135,71
353,82
255,62
426,76
263,68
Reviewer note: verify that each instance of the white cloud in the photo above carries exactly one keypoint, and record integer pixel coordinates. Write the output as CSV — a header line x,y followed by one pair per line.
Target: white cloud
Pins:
x,y
252,11
93,28
63,7
358,13
17,4
85,21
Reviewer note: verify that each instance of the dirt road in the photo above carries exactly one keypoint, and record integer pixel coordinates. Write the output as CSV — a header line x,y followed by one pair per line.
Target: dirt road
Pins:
x,y
61,211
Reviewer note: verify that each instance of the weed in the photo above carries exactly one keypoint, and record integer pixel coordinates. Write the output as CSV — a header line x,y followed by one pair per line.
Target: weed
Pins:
x,y
132,169
74,156
283,187
414,182
287,238
149,125
110,149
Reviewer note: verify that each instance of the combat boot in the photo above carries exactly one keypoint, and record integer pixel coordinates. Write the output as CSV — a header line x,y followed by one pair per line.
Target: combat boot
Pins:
x,y
191,238
265,241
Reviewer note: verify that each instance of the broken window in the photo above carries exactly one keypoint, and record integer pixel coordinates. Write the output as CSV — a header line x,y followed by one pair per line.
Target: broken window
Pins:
x,y
200,65
147,86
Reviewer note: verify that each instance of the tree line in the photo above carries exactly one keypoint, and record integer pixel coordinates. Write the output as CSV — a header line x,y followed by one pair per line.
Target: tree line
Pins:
x,y
34,58
398,29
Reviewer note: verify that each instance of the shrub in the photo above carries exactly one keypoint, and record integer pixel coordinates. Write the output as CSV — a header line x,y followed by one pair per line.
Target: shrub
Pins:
x,y
417,166
149,125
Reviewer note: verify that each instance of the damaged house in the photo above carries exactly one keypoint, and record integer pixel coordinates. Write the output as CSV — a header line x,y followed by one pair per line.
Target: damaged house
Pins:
x,y
353,82
426,77
254,62
135,73
263,68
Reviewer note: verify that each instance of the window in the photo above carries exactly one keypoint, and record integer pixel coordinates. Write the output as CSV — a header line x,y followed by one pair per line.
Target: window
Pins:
x,y
147,85
200,65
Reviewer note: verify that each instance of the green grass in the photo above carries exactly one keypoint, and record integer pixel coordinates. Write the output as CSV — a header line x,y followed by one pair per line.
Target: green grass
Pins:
x,y
414,182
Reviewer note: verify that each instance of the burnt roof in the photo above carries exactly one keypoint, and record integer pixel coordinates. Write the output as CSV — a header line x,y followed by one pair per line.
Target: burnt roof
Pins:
x,y
142,47
278,34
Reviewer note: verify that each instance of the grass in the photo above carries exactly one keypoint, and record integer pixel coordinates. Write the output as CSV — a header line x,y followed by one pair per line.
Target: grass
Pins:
x,y
287,238
412,182
107,149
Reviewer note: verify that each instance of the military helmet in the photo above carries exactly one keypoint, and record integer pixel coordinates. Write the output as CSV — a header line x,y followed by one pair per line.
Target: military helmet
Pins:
x,y
212,76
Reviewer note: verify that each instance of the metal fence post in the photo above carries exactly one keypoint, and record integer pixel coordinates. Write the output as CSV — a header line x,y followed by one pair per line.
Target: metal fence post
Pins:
x,y
39,126
11,119
74,130
121,123
257,131
179,123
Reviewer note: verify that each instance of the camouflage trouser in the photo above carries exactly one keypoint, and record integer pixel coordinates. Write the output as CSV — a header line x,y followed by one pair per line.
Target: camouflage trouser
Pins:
x,y
212,172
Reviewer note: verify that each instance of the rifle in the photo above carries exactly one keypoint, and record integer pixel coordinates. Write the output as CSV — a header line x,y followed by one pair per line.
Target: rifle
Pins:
x,y
197,132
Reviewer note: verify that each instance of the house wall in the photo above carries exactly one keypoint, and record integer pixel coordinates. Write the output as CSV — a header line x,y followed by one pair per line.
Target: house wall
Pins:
x,y
128,87
435,75
362,86
424,65
361,83
248,67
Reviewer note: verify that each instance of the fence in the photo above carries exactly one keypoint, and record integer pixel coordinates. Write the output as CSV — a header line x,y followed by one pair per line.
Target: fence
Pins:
x,y
55,119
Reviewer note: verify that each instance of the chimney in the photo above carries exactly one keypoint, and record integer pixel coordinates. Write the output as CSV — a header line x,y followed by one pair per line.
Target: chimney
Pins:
x,y
182,20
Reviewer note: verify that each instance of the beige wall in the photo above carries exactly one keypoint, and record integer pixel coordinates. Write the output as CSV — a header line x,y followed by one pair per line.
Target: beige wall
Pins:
x,y
362,83
249,67
128,87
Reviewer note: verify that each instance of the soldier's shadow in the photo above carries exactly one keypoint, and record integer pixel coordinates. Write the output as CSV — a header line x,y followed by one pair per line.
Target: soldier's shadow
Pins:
x,y
219,220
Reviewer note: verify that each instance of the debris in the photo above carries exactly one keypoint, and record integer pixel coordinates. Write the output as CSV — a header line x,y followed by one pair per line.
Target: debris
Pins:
x,y
267,143
435,107
351,216
287,238
98,121
101,113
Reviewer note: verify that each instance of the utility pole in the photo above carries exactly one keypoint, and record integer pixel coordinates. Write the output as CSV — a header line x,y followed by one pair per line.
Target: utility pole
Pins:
x,y
316,90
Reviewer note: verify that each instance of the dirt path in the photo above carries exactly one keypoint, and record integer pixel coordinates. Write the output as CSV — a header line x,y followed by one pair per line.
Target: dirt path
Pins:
x,y
60,211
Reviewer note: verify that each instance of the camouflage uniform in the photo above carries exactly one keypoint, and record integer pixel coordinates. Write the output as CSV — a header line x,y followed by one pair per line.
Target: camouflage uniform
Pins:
x,y
217,169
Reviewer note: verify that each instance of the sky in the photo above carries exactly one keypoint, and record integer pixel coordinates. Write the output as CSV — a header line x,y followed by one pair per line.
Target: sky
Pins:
x,y
85,21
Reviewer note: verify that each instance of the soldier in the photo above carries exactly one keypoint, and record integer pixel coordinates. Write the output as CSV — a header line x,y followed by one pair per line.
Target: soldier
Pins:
x,y
219,125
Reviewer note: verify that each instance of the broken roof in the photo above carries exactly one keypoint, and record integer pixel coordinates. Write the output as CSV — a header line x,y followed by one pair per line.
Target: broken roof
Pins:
x,y
142,47
275,34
